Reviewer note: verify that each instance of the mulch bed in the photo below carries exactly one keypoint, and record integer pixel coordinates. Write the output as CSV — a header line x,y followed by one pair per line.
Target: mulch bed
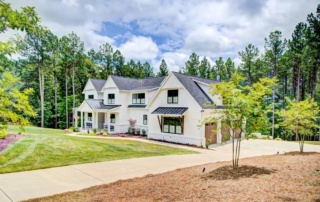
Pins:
x,y
4,143
265,178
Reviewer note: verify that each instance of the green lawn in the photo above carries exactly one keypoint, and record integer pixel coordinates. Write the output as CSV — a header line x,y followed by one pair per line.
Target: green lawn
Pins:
x,y
312,142
45,148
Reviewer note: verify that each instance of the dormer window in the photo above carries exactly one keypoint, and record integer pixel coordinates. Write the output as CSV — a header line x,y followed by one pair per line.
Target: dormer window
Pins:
x,y
90,96
111,99
172,96
138,98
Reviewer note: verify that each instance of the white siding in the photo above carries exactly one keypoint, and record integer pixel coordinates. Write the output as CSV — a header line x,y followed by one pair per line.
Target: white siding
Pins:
x,y
192,133
111,88
90,90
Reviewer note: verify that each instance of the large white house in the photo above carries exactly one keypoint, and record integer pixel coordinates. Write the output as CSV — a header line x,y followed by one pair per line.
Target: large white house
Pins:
x,y
168,108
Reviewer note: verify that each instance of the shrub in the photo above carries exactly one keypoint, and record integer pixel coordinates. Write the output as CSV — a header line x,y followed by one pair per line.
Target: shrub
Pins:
x,y
3,134
278,138
144,132
94,130
129,130
252,136
138,131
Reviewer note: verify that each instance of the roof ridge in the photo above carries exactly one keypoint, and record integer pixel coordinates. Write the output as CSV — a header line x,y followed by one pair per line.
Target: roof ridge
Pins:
x,y
192,76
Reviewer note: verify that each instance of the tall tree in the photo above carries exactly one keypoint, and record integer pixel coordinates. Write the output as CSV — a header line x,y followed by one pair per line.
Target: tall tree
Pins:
x,y
230,67
36,47
192,65
220,69
148,70
118,63
105,58
274,47
163,69
76,47
313,41
204,68
297,45
249,57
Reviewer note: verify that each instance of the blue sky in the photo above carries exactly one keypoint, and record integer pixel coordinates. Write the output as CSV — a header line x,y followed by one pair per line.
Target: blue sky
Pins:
x,y
171,30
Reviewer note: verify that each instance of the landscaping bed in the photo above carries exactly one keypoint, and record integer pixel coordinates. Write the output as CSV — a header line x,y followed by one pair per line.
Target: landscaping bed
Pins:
x,y
4,143
289,177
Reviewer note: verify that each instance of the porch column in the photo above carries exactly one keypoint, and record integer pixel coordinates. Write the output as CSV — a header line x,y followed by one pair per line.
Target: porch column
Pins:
x,y
96,120
81,118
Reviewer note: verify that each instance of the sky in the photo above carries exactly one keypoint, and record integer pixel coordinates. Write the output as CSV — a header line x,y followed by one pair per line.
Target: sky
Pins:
x,y
151,30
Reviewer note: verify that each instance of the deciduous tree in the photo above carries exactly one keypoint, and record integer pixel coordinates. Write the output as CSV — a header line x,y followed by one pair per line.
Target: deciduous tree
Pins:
x,y
300,119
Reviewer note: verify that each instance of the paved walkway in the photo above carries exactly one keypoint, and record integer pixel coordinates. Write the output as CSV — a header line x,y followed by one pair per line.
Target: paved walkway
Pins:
x,y
37,183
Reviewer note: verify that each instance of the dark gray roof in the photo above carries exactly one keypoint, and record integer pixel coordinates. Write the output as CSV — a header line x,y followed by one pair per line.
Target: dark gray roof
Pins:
x,y
170,110
98,83
137,106
191,85
98,104
125,83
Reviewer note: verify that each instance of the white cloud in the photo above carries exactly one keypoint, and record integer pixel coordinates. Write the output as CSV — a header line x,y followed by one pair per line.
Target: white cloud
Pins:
x,y
209,27
139,48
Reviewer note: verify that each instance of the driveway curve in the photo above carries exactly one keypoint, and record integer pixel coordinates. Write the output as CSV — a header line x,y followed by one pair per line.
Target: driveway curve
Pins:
x,y
30,184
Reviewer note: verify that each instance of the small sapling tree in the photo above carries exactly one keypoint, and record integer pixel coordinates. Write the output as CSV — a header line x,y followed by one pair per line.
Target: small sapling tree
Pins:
x,y
244,109
300,118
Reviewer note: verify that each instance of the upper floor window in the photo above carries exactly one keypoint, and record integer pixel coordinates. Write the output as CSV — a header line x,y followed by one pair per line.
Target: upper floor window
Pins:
x,y
90,97
111,99
172,96
138,98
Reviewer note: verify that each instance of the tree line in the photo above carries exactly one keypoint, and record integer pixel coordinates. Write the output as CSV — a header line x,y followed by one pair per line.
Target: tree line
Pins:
x,y
57,68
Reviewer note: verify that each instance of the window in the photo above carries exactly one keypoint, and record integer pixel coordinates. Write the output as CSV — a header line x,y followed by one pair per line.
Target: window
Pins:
x,y
111,98
112,118
172,96
89,116
171,125
145,119
90,97
138,98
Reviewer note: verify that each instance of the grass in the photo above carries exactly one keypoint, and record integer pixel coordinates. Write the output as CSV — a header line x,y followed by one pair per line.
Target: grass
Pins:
x,y
46,148
312,142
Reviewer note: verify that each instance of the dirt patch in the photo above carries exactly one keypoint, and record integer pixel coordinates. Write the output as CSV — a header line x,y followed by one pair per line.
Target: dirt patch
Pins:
x,y
282,178
4,143
227,172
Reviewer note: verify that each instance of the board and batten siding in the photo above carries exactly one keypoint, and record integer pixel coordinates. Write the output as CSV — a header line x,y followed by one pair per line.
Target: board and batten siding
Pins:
x,y
193,134
90,90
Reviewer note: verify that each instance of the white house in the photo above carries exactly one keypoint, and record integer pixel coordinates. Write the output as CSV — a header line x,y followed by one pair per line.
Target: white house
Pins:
x,y
168,108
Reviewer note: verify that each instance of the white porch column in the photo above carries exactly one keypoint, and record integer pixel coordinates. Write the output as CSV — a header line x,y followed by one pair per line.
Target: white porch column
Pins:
x,y
81,118
96,120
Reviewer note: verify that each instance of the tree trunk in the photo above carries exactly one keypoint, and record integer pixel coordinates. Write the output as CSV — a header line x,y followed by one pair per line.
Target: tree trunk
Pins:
x,y
285,89
73,94
41,94
67,112
314,81
298,84
294,82
55,99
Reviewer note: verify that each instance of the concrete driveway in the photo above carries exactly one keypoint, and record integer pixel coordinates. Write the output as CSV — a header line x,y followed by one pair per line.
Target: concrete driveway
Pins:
x,y
37,183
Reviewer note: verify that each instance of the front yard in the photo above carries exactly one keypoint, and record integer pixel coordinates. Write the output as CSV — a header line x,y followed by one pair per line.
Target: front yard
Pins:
x,y
288,177
46,148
